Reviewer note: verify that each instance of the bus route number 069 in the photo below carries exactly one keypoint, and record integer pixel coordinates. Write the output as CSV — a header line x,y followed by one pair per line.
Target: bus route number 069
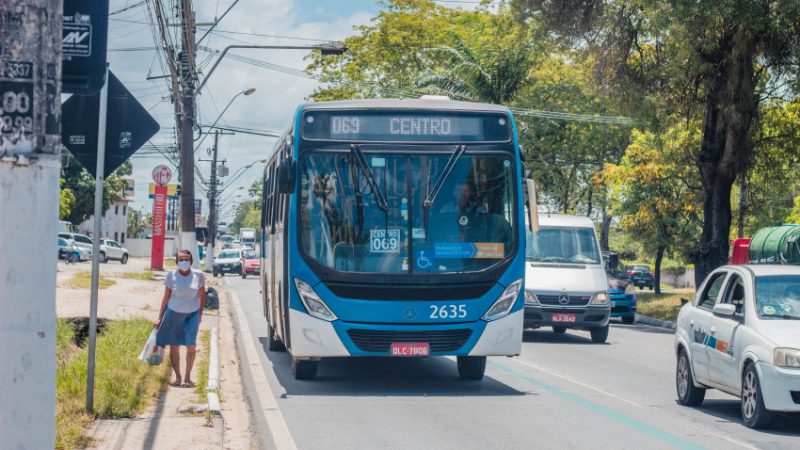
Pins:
x,y
385,241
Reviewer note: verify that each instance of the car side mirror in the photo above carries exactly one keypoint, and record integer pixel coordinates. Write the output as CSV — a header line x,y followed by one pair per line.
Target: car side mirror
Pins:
x,y
724,310
684,301
533,207
286,176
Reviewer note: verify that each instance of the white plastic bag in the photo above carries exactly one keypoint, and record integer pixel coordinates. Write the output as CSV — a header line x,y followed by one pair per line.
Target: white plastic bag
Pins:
x,y
151,353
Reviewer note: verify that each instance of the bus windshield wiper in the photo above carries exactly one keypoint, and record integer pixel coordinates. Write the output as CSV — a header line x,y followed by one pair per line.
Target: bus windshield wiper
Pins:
x,y
451,163
376,191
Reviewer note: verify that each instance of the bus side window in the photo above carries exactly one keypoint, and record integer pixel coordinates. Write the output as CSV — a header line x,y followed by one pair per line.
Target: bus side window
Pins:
x,y
268,196
273,193
263,203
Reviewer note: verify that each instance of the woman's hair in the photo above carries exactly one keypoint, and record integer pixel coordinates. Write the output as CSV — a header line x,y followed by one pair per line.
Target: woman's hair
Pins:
x,y
183,250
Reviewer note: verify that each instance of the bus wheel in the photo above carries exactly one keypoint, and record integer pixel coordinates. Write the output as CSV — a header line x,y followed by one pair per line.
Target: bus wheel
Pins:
x,y
275,345
304,369
471,367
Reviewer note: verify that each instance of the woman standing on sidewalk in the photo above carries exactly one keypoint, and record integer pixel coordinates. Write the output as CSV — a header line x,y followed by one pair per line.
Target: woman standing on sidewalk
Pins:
x,y
179,317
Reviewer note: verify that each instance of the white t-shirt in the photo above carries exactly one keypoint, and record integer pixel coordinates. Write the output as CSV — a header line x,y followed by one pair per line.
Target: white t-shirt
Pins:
x,y
185,296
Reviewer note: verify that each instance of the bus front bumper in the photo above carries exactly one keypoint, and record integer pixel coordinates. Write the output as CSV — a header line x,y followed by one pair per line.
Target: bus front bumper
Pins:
x,y
312,338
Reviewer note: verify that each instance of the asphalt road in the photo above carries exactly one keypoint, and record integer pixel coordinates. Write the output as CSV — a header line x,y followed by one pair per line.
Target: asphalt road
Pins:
x,y
562,392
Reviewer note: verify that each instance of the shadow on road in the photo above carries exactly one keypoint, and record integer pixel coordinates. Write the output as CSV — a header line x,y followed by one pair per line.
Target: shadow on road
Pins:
x,y
642,328
547,336
729,410
385,377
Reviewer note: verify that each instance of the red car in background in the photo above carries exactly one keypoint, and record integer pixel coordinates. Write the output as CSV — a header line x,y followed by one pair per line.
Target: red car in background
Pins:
x,y
251,263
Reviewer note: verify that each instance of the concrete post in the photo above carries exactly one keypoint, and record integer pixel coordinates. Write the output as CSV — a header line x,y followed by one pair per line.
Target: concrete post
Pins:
x,y
30,68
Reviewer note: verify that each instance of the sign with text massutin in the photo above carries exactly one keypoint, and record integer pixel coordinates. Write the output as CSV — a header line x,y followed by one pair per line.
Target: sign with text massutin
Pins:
x,y
84,36
128,126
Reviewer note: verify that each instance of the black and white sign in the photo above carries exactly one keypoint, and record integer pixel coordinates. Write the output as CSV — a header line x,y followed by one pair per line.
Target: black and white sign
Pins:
x,y
84,39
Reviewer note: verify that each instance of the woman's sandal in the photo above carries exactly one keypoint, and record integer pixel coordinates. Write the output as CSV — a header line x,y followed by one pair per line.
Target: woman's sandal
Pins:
x,y
176,383
189,384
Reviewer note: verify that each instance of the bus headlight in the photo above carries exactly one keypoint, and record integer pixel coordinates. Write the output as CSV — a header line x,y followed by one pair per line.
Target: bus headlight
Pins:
x,y
530,299
314,305
600,299
504,303
787,357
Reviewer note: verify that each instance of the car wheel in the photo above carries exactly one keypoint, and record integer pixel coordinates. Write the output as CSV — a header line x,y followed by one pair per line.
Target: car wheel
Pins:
x,y
124,259
102,257
629,320
559,330
304,369
274,344
651,287
754,413
599,335
688,394
471,367
216,274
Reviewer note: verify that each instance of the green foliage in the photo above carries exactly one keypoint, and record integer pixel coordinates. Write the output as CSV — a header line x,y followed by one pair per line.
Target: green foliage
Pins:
x,y
136,223
66,201
248,215
80,182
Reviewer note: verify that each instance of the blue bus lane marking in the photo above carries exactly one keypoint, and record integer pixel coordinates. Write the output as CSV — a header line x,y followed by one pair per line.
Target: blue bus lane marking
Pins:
x,y
671,439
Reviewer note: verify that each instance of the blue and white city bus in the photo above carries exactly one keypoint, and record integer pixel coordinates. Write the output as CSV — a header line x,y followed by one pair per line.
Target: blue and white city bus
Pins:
x,y
394,228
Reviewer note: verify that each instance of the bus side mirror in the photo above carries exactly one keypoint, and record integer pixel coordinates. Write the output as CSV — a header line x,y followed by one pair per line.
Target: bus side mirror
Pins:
x,y
533,207
286,176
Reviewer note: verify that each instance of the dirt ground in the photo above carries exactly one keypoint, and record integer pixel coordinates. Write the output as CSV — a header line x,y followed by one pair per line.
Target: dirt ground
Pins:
x,y
162,425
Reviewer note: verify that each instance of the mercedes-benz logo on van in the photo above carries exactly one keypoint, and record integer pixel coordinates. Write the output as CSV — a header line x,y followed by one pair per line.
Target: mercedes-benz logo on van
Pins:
x,y
410,313
563,299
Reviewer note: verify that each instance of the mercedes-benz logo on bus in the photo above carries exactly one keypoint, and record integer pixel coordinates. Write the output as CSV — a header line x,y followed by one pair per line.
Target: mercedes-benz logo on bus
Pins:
x,y
563,299
410,313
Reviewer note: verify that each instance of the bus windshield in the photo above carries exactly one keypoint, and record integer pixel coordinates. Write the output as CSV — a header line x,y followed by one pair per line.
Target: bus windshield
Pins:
x,y
469,227
563,245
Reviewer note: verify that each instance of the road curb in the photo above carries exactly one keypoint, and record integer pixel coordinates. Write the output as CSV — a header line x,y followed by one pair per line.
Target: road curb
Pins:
x,y
212,387
655,322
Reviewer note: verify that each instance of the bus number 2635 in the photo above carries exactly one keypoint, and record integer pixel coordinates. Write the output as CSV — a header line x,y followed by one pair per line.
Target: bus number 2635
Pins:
x,y
448,312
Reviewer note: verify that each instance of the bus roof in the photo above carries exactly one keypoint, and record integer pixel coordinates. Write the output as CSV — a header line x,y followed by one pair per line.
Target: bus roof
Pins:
x,y
410,104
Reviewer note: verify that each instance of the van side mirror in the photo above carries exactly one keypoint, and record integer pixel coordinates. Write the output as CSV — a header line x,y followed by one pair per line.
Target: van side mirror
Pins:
x,y
286,176
533,207
684,301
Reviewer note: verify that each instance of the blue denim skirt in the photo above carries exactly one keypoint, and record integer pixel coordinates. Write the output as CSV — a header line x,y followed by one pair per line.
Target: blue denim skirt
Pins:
x,y
178,328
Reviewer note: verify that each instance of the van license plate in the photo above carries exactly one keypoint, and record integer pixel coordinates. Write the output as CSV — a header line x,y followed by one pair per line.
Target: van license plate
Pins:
x,y
411,349
564,318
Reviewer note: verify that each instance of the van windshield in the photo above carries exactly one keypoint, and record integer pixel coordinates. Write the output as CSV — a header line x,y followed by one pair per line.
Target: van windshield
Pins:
x,y
562,245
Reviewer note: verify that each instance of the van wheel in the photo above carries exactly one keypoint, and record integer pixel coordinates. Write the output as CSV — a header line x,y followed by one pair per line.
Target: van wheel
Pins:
x,y
304,369
599,335
471,367
688,394
754,413
274,345
629,320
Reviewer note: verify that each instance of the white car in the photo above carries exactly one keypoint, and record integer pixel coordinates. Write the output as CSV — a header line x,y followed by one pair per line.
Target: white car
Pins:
x,y
110,249
741,335
228,261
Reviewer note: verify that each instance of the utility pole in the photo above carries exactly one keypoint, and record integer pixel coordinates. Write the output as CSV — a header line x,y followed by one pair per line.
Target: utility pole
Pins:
x,y
212,208
30,162
186,128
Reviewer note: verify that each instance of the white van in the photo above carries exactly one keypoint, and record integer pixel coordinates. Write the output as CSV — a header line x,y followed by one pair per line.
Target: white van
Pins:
x,y
565,281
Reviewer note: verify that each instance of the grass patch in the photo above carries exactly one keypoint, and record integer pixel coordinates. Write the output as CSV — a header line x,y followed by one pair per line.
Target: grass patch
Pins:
x,y
124,386
83,280
664,306
146,275
201,363
170,262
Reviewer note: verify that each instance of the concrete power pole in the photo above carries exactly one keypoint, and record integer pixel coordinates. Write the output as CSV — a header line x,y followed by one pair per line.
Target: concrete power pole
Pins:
x,y
212,208
186,136
30,162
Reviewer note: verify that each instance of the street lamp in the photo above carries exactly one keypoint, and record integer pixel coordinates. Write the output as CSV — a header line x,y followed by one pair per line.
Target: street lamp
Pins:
x,y
248,91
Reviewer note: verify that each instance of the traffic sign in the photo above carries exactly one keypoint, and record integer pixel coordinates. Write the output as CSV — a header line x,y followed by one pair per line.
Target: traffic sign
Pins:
x,y
162,175
84,35
128,127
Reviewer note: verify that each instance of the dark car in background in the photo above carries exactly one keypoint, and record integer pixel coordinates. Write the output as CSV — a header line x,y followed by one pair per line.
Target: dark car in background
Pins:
x,y
621,289
641,276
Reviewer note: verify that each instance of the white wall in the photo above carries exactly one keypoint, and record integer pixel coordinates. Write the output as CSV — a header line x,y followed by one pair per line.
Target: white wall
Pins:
x,y
114,221
142,247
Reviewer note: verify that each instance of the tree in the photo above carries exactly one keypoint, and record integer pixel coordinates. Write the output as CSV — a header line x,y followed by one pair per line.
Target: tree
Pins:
x,y
715,59
654,191
66,201
81,183
136,223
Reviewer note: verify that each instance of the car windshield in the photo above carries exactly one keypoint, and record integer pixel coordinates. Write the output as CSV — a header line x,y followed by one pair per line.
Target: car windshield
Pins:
x,y
469,227
563,245
778,297
62,242
250,255
641,268
228,255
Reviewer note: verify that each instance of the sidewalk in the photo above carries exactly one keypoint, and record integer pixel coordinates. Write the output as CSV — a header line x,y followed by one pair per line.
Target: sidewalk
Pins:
x,y
162,426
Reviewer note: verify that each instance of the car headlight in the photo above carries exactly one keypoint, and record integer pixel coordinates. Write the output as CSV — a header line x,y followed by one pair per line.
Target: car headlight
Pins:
x,y
787,357
531,299
505,302
314,305
630,289
599,299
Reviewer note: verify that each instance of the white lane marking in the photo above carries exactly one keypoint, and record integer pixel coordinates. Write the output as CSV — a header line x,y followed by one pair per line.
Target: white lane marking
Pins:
x,y
573,380
272,413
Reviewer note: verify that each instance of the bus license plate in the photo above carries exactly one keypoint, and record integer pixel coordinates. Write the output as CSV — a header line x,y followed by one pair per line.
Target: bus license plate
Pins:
x,y
411,349
563,318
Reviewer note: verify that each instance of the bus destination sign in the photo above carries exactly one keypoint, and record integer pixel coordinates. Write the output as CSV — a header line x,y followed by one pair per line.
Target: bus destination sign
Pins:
x,y
405,127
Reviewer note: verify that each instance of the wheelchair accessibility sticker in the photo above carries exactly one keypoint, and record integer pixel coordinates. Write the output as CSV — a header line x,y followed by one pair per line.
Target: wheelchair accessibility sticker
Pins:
x,y
476,250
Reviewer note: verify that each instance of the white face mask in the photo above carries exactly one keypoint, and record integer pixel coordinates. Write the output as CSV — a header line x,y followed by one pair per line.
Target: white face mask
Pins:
x,y
184,265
